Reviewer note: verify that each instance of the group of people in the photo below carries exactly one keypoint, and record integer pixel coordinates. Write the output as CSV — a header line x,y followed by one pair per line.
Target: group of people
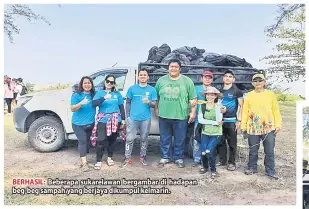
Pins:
x,y
217,115
13,89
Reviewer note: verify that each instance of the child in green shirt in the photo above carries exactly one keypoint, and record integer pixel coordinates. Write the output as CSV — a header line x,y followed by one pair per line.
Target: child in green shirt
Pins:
x,y
211,130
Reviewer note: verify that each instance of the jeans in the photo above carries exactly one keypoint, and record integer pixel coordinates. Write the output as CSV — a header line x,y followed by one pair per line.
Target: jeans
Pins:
x,y
168,128
132,127
208,148
269,150
230,135
83,134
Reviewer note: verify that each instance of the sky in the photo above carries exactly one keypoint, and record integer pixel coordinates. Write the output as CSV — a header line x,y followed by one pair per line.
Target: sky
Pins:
x,y
85,38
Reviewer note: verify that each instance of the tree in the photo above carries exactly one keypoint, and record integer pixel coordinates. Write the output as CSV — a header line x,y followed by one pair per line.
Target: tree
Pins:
x,y
18,10
289,33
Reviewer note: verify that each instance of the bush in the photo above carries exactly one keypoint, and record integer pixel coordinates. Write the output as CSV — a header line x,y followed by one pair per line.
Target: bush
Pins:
x,y
287,97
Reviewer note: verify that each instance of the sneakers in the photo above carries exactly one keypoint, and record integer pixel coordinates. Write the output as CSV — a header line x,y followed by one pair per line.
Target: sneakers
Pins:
x,y
250,171
203,170
214,174
162,162
143,160
221,164
110,161
273,176
126,162
195,164
180,163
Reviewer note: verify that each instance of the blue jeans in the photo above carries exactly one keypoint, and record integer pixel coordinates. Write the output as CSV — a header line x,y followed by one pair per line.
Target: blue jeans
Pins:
x,y
132,127
196,149
208,148
168,128
269,150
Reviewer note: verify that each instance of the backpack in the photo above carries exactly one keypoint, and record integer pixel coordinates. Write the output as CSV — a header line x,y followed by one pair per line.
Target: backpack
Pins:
x,y
24,90
198,129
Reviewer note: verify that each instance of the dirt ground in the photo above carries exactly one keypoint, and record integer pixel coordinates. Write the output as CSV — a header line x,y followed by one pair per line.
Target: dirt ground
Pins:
x,y
230,188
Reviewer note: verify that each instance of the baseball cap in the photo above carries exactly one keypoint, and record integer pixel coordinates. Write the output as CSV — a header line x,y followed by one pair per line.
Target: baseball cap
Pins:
x,y
208,73
259,75
229,71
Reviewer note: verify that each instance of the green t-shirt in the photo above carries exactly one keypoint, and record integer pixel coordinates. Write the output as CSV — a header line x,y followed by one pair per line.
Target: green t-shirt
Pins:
x,y
174,96
211,130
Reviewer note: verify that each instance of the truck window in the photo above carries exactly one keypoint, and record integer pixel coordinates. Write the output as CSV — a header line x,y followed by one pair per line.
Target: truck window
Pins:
x,y
98,81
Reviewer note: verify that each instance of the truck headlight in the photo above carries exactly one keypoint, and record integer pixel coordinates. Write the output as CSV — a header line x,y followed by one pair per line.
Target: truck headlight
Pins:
x,y
21,101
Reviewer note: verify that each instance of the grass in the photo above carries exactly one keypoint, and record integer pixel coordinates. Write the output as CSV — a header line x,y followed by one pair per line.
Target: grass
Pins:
x,y
230,188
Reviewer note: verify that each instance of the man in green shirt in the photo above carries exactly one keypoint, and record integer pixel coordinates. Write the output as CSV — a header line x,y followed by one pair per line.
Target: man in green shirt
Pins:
x,y
175,93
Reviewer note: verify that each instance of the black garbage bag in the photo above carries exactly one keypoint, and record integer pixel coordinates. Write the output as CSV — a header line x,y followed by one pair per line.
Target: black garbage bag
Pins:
x,y
236,61
157,54
191,53
163,51
149,69
215,59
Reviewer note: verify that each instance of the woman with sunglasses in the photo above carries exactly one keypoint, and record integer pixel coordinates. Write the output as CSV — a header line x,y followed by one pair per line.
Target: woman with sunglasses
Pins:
x,y
109,119
83,117
261,121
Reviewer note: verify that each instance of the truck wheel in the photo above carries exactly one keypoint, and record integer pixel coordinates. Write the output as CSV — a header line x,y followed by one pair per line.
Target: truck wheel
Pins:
x,y
46,134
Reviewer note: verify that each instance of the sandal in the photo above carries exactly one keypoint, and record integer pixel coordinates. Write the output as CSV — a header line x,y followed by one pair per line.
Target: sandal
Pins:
x,y
98,166
231,167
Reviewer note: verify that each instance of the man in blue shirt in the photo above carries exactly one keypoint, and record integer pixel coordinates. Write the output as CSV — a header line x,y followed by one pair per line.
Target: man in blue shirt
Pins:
x,y
233,101
140,98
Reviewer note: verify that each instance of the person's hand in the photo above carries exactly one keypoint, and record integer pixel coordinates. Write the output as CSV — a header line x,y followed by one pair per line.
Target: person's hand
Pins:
x,y
157,112
277,130
223,109
84,101
123,124
237,124
146,100
192,117
219,123
193,102
108,96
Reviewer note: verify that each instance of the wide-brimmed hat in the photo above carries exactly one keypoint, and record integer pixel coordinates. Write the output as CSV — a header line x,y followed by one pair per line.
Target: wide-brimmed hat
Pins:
x,y
211,90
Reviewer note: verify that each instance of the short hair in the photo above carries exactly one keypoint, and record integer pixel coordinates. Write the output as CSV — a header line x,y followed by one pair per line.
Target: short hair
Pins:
x,y
143,70
174,60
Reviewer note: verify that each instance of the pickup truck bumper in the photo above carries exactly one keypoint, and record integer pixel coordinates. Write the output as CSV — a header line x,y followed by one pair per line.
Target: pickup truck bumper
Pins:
x,y
20,115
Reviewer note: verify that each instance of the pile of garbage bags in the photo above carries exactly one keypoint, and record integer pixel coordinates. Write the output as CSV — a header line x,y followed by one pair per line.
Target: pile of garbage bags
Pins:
x,y
195,56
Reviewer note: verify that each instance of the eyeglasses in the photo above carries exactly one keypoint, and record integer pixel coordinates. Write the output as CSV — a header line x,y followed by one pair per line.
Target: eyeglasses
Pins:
x,y
111,82
258,81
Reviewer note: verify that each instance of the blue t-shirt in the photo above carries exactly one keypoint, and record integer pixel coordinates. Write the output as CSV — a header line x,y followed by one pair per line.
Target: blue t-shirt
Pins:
x,y
140,111
109,105
230,101
86,114
198,90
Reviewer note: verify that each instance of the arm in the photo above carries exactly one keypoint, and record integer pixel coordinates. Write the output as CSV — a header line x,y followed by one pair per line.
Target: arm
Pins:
x,y
240,107
122,112
76,107
128,107
203,121
152,104
98,102
244,116
276,112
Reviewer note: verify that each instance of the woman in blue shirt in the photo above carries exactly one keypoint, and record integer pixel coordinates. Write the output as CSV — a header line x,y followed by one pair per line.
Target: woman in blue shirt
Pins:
x,y
83,117
109,119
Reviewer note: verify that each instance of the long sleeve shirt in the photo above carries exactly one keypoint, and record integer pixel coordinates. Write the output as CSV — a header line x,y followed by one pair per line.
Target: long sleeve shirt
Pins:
x,y
261,113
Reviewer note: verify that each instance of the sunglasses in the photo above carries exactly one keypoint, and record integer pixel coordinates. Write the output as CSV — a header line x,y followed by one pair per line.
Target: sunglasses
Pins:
x,y
258,80
111,82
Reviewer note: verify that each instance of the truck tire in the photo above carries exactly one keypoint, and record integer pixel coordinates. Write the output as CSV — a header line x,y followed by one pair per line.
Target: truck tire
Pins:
x,y
46,134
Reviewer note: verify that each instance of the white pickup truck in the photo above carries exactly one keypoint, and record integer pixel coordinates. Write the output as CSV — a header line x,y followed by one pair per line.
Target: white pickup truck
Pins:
x,y
47,118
